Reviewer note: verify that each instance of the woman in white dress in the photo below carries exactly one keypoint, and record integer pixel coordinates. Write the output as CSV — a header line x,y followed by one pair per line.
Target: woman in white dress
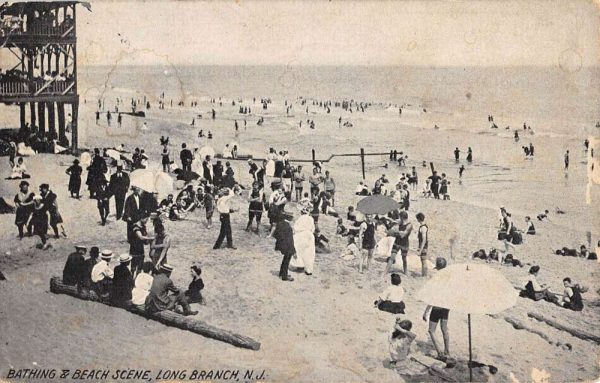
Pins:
x,y
304,242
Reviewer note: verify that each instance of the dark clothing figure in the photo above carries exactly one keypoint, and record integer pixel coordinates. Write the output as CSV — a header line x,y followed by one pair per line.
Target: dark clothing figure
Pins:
x,y
186,158
75,269
193,293
159,298
95,175
118,187
225,232
51,206
435,185
217,174
22,213
39,221
206,174
102,197
74,171
122,285
132,212
284,243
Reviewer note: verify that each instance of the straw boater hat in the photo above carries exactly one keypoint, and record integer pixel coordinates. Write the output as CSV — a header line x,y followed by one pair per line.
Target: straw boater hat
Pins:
x,y
166,267
80,247
124,258
106,255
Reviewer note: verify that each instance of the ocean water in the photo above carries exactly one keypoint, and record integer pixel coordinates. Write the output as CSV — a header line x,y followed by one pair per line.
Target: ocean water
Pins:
x,y
549,99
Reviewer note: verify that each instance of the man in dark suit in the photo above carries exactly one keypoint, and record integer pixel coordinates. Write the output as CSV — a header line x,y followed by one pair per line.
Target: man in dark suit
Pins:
x,y
123,282
118,186
74,271
186,158
159,298
133,210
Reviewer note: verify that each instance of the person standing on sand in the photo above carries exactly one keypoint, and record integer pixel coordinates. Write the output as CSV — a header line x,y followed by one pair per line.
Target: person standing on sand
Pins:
x,y
329,186
469,155
284,243
120,120
39,221
438,314
165,158
401,242
456,154
133,210
225,210
51,205
435,184
118,186
139,237
366,235
256,207
103,198
423,236
74,171
186,158
567,160
108,117
24,208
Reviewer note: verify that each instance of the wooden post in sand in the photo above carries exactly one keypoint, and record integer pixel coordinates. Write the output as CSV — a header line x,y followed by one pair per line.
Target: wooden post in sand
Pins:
x,y
362,161
313,155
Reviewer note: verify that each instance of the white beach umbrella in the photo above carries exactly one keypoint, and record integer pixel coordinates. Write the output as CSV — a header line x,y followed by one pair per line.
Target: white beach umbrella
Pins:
x,y
143,179
113,154
206,151
470,289
163,183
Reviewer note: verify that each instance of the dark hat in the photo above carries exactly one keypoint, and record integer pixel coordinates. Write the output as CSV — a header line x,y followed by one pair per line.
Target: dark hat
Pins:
x,y
44,186
23,183
440,263
94,251
75,161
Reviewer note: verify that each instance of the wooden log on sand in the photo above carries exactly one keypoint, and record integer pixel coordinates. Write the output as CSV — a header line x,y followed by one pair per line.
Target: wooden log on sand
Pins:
x,y
433,365
581,334
169,318
517,324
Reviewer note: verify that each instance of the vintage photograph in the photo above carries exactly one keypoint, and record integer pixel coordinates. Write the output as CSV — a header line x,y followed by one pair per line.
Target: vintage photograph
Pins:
x,y
300,191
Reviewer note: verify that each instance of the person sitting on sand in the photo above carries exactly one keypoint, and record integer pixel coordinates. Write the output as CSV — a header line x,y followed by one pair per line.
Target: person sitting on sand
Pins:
x,y
509,260
142,285
351,251
530,227
534,290
427,189
391,300
572,299
165,296
165,204
19,170
361,189
102,274
543,216
321,243
400,341
193,293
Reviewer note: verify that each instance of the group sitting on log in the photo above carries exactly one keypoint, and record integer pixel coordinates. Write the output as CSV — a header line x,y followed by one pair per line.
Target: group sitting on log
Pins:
x,y
152,289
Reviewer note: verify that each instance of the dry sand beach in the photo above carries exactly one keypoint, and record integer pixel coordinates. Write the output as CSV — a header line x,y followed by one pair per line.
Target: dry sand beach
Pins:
x,y
323,327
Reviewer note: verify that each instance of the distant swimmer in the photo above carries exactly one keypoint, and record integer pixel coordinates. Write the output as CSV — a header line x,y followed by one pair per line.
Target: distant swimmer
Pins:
x,y
461,170
469,155
516,136
567,160
456,154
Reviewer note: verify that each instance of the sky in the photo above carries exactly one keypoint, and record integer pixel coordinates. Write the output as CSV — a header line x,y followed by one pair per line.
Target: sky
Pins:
x,y
422,33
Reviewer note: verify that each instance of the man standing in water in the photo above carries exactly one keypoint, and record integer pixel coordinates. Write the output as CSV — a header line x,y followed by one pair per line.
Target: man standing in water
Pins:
x,y
456,154
567,160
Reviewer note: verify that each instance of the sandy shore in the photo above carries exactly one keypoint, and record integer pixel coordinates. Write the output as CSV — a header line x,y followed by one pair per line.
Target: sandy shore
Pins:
x,y
318,328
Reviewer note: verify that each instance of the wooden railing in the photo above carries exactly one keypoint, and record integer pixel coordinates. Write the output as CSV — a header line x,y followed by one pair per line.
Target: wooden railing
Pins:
x,y
22,88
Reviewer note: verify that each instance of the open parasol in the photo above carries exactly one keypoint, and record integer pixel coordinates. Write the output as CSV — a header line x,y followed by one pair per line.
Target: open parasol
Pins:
x,y
206,151
377,204
470,289
152,181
